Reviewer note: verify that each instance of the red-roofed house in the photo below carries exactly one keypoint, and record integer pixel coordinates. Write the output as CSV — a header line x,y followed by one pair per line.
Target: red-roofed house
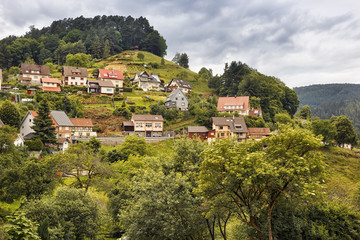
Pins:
x,y
234,104
115,76
51,84
258,133
82,128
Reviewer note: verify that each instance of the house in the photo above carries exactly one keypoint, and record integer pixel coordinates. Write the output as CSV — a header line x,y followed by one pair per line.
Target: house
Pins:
x,y
177,99
5,88
258,133
61,122
230,127
115,76
146,81
32,74
234,104
82,128
100,87
255,112
200,131
50,85
63,144
146,125
76,76
178,84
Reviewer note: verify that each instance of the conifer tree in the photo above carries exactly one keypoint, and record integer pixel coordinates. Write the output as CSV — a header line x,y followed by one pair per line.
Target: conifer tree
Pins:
x,y
43,125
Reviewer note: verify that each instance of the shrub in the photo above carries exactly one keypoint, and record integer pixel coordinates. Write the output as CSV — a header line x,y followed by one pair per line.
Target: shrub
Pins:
x,y
34,145
127,89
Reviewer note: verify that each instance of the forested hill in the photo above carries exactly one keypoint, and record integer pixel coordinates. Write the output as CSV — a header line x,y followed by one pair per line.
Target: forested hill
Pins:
x,y
316,95
101,36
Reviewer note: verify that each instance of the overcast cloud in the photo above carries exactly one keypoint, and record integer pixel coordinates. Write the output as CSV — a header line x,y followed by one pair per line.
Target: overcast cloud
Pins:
x,y
301,42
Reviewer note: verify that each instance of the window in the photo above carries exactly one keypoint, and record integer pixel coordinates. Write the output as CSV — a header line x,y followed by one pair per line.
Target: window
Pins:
x,y
60,128
67,135
75,83
182,104
176,98
158,125
222,134
182,99
148,124
72,77
140,124
60,135
221,128
66,128
30,120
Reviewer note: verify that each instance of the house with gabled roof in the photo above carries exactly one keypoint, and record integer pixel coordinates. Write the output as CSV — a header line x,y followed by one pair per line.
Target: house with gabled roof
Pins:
x,y
145,125
61,122
76,76
82,128
201,132
258,133
178,84
50,84
115,76
32,74
100,87
230,127
146,81
234,104
177,99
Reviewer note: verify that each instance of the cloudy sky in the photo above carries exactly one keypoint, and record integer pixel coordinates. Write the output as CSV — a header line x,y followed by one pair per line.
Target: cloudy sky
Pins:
x,y
301,42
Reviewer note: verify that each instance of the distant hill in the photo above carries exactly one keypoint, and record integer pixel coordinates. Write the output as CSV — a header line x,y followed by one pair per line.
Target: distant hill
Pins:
x,y
315,95
332,99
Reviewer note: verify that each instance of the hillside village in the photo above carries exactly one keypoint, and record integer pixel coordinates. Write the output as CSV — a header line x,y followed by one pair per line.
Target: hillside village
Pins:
x,y
103,138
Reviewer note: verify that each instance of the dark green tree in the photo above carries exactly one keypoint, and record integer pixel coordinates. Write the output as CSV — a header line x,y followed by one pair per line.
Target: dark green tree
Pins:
x,y
155,44
66,104
184,61
9,114
305,112
345,133
324,128
43,125
107,49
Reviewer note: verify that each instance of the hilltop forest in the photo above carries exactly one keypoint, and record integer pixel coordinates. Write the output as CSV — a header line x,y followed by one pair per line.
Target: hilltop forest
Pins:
x,y
101,37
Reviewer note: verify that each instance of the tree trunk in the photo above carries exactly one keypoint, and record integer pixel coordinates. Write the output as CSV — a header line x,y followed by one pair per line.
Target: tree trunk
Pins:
x,y
269,223
256,227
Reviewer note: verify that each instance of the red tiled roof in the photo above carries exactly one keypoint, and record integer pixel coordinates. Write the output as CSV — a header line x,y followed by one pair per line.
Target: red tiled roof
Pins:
x,y
262,131
52,89
51,80
34,113
111,74
233,101
81,122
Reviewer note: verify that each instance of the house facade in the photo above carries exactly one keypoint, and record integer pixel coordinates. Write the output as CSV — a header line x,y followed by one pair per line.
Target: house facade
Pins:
x,y
51,84
178,100
76,76
230,127
100,87
82,128
32,74
178,84
148,125
115,76
234,104
146,81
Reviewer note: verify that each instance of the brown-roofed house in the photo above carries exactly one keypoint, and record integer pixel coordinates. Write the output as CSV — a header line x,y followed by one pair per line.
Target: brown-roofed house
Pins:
x,y
100,87
258,133
32,74
82,128
146,81
178,83
230,127
200,131
74,76
234,104
148,125
51,84
115,76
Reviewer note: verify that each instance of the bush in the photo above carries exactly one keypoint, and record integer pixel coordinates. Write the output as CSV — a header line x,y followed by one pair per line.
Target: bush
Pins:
x,y
118,98
127,89
34,145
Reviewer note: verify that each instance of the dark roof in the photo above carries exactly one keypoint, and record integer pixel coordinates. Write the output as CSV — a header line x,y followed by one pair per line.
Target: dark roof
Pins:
x,y
137,117
197,129
145,77
175,93
74,71
43,69
236,124
61,118
102,83
181,83
28,136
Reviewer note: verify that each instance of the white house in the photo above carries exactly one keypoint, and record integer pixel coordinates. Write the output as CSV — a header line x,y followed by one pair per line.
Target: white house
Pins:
x,y
76,76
